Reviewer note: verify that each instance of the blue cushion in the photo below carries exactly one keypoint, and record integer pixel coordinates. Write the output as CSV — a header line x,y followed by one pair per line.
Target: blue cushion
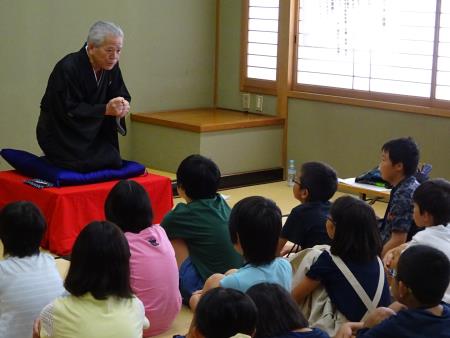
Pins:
x,y
38,167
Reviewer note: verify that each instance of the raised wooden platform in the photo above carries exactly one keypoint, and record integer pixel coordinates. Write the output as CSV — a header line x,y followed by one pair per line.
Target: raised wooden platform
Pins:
x,y
207,119
238,142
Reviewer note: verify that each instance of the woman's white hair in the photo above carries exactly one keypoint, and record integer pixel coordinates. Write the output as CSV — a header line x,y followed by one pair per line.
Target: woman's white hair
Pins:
x,y
101,30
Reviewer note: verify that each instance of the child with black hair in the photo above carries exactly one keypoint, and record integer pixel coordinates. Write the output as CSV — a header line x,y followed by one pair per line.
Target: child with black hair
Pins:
x,y
255,225
128,206
29,279
198,229
100,302
420,281
223,313
278,314
352,260
305,225
399,160
431,212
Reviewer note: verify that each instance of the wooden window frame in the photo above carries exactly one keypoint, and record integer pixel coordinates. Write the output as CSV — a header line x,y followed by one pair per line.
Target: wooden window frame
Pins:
x,y
247,84
286,86
355,97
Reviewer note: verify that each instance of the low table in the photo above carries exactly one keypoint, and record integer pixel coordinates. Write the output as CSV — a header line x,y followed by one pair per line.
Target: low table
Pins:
x,y
364,191
68,209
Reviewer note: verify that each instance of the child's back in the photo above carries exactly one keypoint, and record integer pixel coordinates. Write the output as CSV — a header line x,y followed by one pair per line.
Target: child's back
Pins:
x,y
152,253
355,244
223,313
85,316
203,225
128,206
198,229
278,314
100,302
278,271
255,225
29,280
305,225
339,289
412,323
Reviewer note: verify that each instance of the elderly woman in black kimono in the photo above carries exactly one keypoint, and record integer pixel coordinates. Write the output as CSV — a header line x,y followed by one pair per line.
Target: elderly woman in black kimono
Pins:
x,y
85,103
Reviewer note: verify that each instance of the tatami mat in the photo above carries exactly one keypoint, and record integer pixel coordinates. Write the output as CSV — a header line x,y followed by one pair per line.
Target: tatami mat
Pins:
x,y
283,196
277,191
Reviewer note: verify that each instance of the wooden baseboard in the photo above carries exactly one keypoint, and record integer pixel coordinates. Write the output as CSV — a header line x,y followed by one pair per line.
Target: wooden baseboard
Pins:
x,y
245,179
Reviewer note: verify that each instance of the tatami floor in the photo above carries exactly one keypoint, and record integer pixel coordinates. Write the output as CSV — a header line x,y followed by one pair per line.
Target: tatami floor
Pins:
x,y
282,195
278,191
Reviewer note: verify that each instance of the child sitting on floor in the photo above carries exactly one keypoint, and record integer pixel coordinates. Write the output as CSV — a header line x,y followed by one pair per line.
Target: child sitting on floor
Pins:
x,y
421,279
29,279
354,250
223,313
278,314
99,302
128,206
255,225
198,229
432,212
305,225
399,160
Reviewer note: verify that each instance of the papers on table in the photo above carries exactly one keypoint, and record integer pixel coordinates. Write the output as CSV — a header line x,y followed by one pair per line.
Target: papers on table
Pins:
x,y
351,182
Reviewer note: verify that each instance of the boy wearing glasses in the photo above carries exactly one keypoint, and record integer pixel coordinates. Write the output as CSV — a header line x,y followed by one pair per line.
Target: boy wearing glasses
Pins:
x,y
305,226
420,282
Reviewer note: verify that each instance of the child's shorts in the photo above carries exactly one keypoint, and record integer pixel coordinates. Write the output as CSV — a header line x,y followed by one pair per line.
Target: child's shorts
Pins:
x,y
190,280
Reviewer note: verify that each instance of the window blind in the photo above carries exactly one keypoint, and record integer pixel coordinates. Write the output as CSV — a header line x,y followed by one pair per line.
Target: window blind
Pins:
x,y
262,39
383,46
443,64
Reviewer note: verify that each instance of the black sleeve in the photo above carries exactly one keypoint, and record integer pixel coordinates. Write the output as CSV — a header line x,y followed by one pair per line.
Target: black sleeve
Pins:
x,y
66,85
293,230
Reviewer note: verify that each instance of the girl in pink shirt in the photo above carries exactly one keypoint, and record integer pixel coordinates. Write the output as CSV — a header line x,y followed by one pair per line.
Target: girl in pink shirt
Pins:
x,y
153,268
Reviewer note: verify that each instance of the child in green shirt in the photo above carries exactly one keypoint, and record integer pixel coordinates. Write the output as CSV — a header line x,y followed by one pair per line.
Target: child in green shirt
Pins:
x,y
198,229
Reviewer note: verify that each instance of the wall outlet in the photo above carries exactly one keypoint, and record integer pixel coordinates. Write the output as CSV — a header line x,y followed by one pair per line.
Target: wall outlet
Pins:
x,y
245,101
259,103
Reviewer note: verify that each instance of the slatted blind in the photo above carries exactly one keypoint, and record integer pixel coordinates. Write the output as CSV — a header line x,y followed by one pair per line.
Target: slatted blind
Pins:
x,y
383,46
262,39
443,65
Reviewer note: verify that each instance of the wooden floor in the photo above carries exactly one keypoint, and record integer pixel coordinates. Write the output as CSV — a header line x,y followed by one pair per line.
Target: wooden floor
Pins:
x,y
278,191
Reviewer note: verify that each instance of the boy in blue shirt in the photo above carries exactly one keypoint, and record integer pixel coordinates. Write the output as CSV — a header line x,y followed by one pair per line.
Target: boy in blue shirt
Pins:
x,y
305,226
255,225
399,160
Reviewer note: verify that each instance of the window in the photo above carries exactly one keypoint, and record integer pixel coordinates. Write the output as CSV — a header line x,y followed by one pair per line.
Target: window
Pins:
x,y
443,59
261,47
394,51
372,46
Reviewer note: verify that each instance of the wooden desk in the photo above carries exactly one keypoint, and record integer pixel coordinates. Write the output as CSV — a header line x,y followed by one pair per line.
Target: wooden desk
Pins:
x,y
364,191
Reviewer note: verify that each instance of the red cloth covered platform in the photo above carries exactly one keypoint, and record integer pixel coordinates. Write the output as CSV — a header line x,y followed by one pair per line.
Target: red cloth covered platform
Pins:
x,y
68,209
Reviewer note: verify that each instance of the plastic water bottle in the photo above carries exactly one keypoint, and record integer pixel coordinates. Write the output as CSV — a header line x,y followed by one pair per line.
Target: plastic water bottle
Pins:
x,y
291,171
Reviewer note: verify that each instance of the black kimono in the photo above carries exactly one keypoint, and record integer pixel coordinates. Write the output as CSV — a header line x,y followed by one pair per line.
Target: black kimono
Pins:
x,y
73,130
